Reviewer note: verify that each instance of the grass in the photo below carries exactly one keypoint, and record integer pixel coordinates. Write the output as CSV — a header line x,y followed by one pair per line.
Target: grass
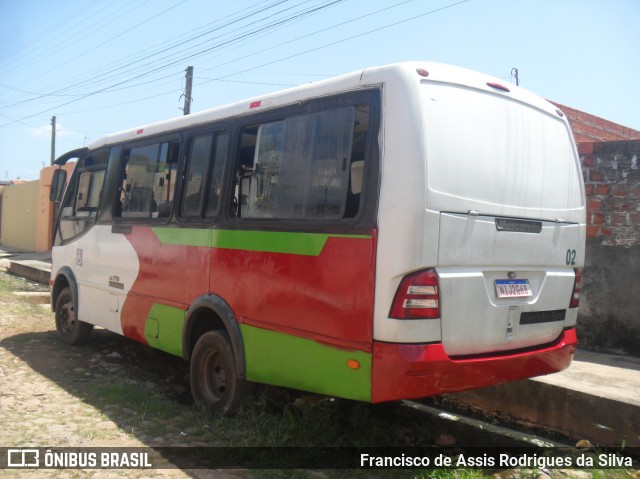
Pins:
x,y
262,422
611,474
137,399
14,307
10,283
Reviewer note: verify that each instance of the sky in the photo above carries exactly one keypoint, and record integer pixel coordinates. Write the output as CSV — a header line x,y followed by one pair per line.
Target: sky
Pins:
x,y
102,66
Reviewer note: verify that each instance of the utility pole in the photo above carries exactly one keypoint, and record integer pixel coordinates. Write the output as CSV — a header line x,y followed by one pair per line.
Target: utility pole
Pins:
x,y
187,93
53,139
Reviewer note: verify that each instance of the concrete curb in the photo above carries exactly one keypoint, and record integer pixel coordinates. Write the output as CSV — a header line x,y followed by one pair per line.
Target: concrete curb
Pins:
x,y
572,413
34,270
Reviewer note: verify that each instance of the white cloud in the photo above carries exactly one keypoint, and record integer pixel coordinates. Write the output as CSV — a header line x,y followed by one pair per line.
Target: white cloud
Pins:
x,y
45,131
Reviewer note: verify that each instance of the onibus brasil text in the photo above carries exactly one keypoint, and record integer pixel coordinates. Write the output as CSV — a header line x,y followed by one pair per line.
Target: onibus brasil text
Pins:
x,y
75,459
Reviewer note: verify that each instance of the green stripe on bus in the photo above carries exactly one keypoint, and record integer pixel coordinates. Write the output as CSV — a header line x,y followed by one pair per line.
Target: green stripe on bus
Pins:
x,y
163,328
308,244
290,361
183,236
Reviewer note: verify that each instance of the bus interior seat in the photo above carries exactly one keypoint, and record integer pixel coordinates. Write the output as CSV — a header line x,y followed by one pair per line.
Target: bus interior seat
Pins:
x,y
164,209
141,200
191,206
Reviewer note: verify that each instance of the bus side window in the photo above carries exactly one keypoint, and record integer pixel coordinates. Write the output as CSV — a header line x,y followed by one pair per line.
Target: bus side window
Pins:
x,y
214,187
89,190
303,167
360,130
199,154
147,181
81,203
203,177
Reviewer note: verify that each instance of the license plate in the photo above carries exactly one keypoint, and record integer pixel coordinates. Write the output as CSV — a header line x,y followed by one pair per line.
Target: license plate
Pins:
x,y
513,288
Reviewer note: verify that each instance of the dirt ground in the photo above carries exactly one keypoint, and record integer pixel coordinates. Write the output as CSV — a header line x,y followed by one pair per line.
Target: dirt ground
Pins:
x,y
55,395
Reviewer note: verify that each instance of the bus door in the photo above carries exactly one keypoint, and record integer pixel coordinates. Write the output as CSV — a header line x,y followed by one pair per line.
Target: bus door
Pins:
x,y
88,245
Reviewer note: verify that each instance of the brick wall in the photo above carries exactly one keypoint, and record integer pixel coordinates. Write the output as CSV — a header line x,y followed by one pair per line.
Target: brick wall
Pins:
x,y
588,127
610,300
612,183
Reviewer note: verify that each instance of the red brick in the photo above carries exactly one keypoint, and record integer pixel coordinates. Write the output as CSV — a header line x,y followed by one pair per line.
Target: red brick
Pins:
x,y
588,189
602,190
620,191
588,161
596,176
592,231
620,219
597,219
594,204
579,137
585,147
606,231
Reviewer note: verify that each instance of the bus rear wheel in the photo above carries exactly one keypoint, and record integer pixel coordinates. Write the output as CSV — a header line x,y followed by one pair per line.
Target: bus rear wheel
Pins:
x,y
70,329
215,383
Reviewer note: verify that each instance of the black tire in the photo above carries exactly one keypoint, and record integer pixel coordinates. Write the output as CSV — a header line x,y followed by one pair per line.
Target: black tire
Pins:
x,y
70,329
215,383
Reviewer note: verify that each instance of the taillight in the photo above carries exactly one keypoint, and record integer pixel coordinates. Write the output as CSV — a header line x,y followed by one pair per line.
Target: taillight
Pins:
x,y
575,295
417,297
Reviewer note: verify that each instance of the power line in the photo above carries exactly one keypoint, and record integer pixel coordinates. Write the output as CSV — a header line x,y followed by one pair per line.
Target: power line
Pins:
x,y
51,45
111,71
112,74
179,57
167,92
273,47
225,77
249,82
59,92
311,50
46,32
114,37
110,87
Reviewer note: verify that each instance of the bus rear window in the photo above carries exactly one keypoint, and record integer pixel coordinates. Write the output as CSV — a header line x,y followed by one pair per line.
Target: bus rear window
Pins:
x,y
494,150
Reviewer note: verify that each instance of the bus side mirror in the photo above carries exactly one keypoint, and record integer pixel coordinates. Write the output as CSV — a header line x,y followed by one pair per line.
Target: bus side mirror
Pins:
x,y
57,185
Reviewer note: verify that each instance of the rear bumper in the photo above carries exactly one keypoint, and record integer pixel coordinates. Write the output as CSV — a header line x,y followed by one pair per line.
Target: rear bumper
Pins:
x,y
405,371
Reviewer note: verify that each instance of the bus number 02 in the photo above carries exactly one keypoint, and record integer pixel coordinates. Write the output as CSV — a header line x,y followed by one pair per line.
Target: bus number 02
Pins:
x,y
571,257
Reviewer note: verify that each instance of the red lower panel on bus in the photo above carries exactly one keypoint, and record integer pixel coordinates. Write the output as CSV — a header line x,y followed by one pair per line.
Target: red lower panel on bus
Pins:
x,y
405,371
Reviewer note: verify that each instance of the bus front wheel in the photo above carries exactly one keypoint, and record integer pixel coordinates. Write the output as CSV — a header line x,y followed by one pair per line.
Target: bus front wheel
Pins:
x,y
70,329
214,380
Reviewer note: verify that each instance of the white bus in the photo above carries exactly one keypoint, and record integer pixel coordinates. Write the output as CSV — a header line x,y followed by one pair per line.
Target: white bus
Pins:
x,y
397,232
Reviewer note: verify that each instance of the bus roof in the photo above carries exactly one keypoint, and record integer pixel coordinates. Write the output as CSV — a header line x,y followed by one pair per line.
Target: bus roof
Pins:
x,y
412,72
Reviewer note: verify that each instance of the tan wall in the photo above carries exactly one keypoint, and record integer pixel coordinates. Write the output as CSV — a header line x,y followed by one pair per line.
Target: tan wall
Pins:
x,y
19,209
27,213
44,226
44,216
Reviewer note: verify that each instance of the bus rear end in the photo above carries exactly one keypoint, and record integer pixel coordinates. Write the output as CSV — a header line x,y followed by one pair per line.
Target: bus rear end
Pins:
x,y
481,236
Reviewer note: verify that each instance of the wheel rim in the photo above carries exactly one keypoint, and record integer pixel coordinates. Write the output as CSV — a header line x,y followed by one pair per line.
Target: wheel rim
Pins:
x,y
215,376
67,317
